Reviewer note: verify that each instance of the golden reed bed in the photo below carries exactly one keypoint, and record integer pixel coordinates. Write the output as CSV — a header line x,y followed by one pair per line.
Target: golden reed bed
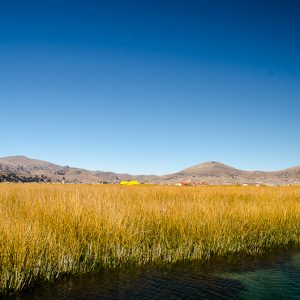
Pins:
x,y
50,230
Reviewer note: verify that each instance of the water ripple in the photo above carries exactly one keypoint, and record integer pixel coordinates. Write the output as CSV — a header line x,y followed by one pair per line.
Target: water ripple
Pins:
x,y
274,276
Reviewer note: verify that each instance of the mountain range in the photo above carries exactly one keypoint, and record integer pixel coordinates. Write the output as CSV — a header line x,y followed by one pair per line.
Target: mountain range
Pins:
x,y
24,169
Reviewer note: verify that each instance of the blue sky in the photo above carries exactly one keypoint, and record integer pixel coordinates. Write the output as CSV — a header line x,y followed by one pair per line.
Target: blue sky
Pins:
x,y
151,87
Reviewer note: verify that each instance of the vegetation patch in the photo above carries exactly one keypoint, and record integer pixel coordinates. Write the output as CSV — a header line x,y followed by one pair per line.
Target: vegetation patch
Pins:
x,y
47,231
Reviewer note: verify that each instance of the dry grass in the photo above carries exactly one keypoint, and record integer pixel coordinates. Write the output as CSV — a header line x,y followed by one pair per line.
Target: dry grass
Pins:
x,y
50,230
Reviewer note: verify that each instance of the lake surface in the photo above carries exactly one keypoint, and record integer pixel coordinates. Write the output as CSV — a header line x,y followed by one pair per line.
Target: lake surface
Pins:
x,y
272,276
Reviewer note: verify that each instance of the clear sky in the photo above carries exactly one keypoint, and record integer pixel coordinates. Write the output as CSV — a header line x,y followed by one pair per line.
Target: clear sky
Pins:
x,y
151,86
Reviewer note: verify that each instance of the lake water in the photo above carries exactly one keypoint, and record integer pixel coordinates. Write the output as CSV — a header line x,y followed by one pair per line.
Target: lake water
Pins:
x,y
272,276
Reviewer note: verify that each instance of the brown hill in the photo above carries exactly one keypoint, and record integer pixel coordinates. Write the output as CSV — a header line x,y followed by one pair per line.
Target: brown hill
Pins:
x,y
24,166
217,173
14,168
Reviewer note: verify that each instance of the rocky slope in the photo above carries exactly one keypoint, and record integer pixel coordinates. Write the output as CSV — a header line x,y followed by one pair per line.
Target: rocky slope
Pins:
x,y
24,169
218,173
22,166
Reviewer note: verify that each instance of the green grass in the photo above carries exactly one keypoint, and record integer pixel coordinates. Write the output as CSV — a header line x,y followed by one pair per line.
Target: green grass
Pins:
x,y
50,230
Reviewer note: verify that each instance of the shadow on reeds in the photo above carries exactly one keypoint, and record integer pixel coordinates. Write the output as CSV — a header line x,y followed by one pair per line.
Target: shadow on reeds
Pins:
x,y
275,274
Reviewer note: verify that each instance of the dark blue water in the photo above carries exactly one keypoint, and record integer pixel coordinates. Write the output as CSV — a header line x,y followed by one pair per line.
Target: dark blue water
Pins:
x,y
272,276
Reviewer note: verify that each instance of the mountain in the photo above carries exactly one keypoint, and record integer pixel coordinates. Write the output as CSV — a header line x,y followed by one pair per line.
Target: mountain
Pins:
x,y
20,167
24,169
217,173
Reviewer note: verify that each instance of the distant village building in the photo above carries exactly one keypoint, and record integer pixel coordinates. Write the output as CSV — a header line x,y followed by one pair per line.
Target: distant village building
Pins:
x,y
191,183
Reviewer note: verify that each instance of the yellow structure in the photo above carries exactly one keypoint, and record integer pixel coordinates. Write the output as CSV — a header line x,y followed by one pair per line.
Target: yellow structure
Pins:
x,y
129,182
124,182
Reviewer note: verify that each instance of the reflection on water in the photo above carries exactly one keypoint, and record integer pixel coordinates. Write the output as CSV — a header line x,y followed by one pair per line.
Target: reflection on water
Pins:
x,y
281,279
276,275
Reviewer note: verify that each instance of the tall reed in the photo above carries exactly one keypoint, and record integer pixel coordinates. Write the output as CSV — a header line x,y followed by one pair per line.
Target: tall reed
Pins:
x,y
50,230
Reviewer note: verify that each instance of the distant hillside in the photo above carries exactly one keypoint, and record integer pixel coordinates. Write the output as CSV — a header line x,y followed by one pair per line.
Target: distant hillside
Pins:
x,y
24,166
24,169
217,173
